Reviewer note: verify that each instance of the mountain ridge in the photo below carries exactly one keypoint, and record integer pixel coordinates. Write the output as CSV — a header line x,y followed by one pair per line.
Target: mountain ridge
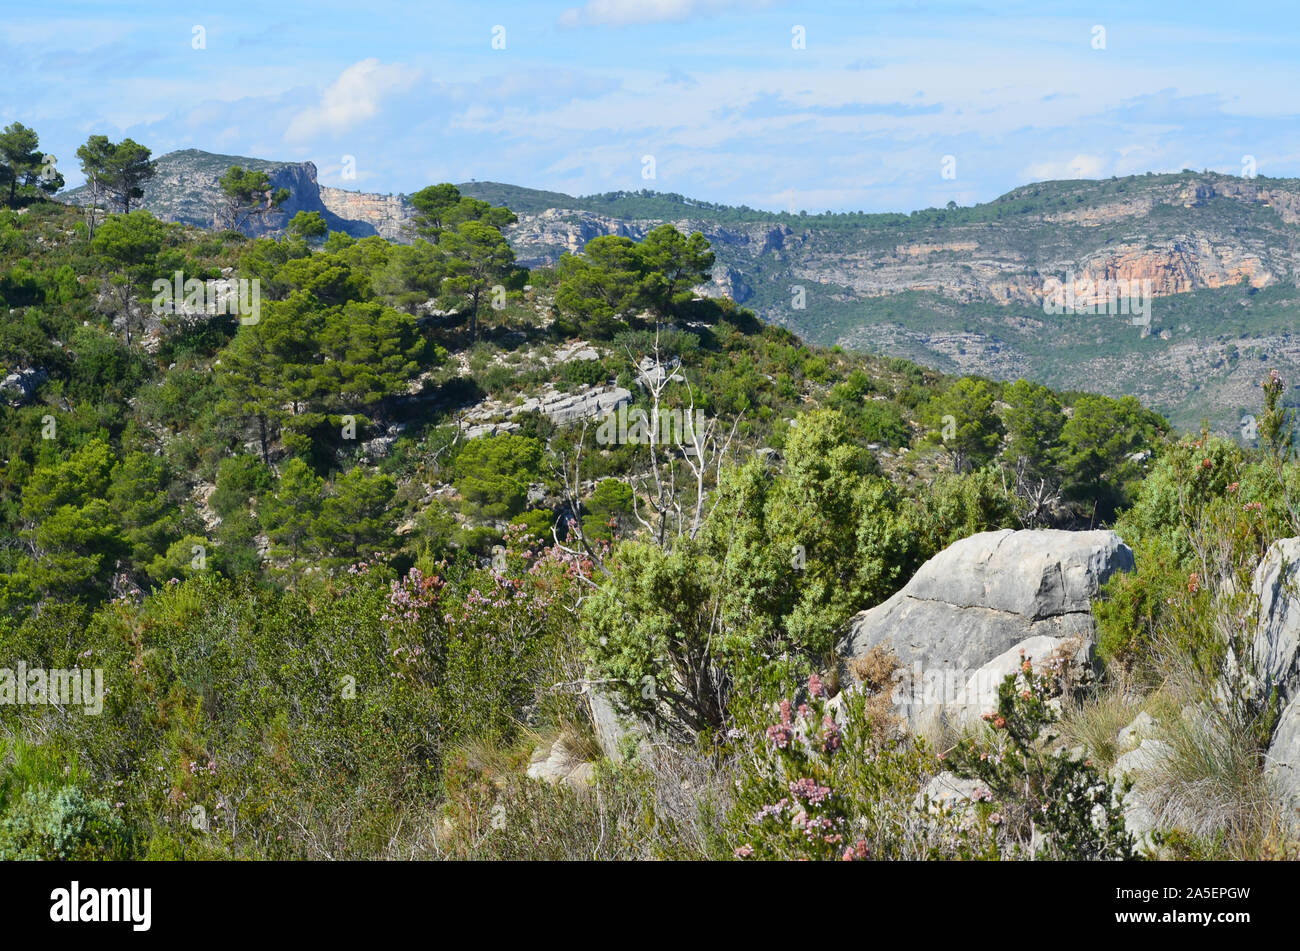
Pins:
x,y
960,289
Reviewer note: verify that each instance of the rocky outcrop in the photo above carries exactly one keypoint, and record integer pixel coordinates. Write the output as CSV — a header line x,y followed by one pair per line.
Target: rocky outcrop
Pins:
x,y
728,282
20,386
1174,267
1282,763
565,408
612,728
984,594
184,189
391,216
1275,662
961,624
539,239
948,792
1275,648
589,402
1144,801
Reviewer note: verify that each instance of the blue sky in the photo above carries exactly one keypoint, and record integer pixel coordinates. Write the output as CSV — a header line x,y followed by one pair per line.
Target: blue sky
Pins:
x,y
861,117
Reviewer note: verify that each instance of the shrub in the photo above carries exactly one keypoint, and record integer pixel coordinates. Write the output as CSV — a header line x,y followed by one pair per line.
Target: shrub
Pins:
x,y
493,473
62,824
1048,802
786,807
585,372
843,785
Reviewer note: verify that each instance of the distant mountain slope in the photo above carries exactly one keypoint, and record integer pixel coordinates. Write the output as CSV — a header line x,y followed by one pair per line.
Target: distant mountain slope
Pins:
x,y
962,289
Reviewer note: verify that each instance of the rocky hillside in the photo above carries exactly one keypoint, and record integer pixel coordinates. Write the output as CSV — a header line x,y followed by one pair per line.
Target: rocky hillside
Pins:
x,y
962,289
185,189
958,289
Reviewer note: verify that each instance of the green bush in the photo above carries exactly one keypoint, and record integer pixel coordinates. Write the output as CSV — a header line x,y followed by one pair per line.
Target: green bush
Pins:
x,y
62,825
1046,802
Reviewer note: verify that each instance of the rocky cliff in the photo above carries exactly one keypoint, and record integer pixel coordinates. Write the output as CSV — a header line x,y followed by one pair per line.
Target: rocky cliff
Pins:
x,y
390,216
185,189
963,289
1181,232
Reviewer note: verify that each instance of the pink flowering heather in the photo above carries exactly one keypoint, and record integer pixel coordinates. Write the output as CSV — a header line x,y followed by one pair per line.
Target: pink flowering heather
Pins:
x,y
780,735
831,737
809,791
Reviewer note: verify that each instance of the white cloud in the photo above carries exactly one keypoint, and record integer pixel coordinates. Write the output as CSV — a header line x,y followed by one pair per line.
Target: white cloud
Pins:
x,y
352,98
629,12
1081,166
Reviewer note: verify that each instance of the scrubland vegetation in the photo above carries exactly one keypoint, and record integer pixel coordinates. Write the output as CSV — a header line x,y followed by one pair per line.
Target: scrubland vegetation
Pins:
x,y
333,624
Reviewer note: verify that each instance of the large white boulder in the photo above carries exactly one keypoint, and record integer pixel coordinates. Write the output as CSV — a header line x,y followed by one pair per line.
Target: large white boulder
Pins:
x,y
959,626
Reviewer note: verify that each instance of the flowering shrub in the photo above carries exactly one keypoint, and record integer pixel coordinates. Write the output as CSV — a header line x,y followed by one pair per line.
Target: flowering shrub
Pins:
x,y
1045,802
786,805
477,641
842,784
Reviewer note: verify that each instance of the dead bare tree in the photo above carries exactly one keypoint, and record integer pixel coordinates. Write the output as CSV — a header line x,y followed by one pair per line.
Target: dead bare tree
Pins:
x,y
571,492
695,441
433,458
1039,496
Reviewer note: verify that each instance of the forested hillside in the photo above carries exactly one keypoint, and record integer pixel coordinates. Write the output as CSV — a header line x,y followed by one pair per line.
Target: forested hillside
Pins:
x,y
957,289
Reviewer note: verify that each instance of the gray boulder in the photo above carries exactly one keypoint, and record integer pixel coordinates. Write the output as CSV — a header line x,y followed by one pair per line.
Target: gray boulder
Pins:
x,y
1282,765
979,694
1275,666
20,386
948,791
1143,727
1136,763
1276,645
611,727
960,624
984,594
1144,801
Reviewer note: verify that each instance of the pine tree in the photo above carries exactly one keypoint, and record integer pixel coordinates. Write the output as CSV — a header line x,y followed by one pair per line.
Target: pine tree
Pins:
x,y
289,515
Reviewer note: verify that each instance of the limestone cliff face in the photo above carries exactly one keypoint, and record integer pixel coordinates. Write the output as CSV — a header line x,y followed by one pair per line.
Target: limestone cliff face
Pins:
x,y
1179,266
1181,232
185,190
389,215
539,239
